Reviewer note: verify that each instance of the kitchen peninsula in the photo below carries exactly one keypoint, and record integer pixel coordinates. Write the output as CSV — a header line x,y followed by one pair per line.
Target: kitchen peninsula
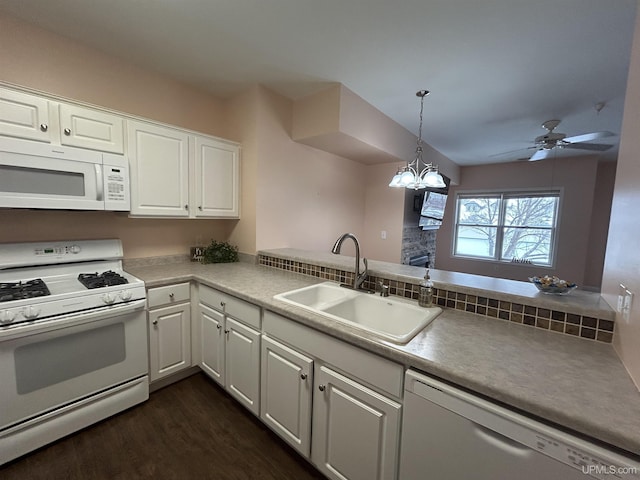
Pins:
x,y
576,383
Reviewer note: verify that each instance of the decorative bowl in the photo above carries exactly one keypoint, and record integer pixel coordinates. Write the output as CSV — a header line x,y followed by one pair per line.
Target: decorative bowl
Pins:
x,y
553,285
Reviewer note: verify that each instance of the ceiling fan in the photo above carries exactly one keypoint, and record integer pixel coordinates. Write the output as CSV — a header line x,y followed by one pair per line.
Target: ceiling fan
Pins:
x,y
544,144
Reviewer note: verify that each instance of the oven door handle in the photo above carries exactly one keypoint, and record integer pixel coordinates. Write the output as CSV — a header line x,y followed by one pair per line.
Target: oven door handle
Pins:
x,y
72,319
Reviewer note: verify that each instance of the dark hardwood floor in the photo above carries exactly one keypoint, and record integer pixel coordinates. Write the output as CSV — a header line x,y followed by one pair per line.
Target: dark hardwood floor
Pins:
x,y
189,430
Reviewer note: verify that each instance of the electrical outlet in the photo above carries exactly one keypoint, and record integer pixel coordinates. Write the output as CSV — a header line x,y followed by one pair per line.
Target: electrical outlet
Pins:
x,y
383,234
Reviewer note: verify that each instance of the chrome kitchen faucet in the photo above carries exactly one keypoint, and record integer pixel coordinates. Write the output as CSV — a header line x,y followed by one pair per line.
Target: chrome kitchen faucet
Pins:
x,y
358,278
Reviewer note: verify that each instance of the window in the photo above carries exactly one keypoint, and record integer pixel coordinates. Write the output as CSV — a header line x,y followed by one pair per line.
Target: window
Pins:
x,y
507,226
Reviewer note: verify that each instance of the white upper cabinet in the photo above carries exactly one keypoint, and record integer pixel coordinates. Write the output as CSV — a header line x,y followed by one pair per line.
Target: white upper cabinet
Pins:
x,y
159,160
178,174
85,128
32,117
216,180
24,116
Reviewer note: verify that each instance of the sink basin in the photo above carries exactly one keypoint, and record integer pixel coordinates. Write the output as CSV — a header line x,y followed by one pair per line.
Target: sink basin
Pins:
x,y
389,318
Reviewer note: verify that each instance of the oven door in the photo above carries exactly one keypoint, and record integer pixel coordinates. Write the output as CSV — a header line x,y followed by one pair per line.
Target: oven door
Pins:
x,y
45,367
34,175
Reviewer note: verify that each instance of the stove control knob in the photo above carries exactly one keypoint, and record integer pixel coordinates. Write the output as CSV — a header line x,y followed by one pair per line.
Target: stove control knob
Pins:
x,y
31,313
75,249
7,316
108,298
126,295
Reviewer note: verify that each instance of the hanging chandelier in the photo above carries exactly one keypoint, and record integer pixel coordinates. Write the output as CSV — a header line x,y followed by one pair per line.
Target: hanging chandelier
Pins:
x,y
417,174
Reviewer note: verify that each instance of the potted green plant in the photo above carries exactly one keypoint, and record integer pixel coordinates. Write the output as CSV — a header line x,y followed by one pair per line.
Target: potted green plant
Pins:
x,y
220,252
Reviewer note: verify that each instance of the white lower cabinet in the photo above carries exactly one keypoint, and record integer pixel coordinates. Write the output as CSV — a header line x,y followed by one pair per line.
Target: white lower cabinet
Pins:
x,y
312,380
229,344
286,388
169,330
212,341
355,430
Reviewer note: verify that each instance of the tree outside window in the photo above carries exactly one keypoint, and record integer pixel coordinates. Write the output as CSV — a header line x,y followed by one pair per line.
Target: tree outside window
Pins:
x,y
507,226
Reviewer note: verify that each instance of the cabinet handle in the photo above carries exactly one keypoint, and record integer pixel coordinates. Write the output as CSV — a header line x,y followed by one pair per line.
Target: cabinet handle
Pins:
x,y
44,127
155,322
67,131
303,376
321,388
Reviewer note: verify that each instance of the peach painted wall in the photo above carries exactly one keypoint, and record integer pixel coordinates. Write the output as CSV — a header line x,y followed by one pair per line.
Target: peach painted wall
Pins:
x,y
305,197
384,211
622,261
40,60
577,176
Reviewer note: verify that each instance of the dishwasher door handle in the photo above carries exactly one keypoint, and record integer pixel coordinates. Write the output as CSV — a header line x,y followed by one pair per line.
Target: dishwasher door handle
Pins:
x,y
500,441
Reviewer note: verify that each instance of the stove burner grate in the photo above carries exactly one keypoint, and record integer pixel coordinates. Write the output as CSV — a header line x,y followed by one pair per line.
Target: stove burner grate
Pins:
x,y
21,290
99,280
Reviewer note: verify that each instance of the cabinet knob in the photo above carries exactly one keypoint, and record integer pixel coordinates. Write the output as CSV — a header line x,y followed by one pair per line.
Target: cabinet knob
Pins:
x,y
303,376
171,296
321,388
67,131
227,332
200,207
218,326
222,304
186,207
44,127
155,322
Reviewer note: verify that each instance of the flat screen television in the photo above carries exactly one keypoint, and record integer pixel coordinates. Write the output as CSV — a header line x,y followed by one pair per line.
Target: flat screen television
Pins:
x,y
433,205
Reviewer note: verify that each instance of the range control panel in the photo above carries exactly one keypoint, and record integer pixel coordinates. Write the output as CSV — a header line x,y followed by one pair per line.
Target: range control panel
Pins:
x,y
57,250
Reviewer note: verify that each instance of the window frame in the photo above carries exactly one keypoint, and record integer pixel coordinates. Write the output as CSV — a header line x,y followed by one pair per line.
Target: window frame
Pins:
x,y
502,196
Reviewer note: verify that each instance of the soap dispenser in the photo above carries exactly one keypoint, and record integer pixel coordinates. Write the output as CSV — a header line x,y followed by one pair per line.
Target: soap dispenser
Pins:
x,y
425,298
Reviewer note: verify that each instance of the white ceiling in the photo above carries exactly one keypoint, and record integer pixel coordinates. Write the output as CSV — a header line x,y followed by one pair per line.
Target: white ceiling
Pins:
x,y
496,69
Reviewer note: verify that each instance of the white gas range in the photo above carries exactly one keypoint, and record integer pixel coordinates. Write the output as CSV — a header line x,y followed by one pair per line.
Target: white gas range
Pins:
x,y
73,340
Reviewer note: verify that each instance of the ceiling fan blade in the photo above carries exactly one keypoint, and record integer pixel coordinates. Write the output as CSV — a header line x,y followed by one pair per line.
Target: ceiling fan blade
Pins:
x,y
511,151
587,137
598,147
540,155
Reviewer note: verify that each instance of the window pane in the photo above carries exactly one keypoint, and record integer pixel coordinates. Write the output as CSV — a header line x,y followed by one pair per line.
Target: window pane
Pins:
x,y
531,211
527,243
479,210
476,241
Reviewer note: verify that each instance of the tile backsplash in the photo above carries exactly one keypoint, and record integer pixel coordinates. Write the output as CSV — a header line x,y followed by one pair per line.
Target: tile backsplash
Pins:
x,y
568,323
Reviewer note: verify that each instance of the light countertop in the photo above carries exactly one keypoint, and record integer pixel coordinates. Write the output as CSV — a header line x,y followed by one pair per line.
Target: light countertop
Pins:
x,y
576,383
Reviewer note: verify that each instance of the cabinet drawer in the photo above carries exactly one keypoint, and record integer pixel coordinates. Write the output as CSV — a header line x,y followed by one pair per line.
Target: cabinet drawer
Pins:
x,y
168,295
229,305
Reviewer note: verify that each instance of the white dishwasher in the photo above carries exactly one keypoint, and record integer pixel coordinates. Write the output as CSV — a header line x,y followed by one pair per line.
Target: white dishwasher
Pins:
x,y
448,434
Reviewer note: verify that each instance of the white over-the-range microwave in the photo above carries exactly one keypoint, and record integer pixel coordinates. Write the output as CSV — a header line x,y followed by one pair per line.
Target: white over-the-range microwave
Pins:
x,y
40,175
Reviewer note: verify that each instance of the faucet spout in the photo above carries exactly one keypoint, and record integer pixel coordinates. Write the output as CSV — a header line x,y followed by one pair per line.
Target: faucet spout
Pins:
x,y
359,277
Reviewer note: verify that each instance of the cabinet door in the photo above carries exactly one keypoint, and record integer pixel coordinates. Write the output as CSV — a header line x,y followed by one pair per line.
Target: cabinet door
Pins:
x,y
212,343
216,180
355,430
169,340
285,400
87,128
24,116
159,158
242,362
